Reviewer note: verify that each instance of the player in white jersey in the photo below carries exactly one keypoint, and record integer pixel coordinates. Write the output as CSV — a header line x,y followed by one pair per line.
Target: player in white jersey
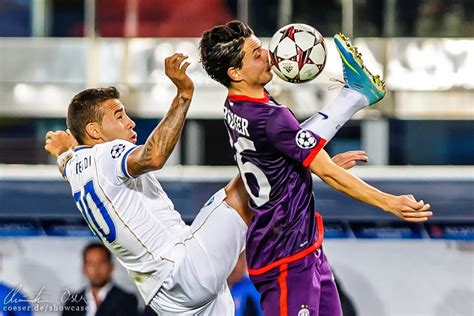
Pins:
x,y
178,269
135,218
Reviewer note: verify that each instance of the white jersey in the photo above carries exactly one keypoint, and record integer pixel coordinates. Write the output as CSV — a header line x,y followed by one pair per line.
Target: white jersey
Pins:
x,y
133,217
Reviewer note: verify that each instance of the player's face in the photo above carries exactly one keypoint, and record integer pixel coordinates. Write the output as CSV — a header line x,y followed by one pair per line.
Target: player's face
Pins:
x,y
115,122
97,268
256,69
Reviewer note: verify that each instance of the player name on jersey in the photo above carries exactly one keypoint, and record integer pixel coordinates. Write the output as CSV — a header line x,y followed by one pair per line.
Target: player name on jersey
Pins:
x,y
236,122
83,164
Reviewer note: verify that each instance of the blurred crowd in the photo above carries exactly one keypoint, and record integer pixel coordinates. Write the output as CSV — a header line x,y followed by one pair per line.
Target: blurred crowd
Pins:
x,y
166,18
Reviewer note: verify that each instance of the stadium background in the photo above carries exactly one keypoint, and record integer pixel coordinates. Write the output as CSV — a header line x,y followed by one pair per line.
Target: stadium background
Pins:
x,y
419,138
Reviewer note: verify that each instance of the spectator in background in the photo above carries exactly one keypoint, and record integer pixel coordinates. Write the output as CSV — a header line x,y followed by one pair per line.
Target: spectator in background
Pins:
x,y
244,293
440,18
151,18
101,297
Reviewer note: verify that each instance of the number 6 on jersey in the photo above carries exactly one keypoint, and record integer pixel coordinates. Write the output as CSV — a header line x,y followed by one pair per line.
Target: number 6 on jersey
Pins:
x,y
264,188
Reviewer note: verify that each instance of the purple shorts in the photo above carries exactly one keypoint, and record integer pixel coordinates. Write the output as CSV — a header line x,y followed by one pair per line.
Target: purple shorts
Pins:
x,y
304,287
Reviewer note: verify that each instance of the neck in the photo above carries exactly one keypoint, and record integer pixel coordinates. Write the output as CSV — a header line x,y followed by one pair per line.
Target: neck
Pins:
x,y
91,142
252,92
96,289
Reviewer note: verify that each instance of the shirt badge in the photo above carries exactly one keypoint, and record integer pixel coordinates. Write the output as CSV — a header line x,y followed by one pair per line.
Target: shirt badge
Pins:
x,y
117,150
304,311
305,140
209,201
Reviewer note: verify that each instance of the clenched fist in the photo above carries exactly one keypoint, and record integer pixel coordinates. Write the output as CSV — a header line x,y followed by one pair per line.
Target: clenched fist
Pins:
x,y
58,142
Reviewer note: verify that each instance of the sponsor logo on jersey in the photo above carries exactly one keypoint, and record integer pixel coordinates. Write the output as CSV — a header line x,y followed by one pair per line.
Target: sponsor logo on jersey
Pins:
x,y
305,140
325,116
304,311
209,201
117,150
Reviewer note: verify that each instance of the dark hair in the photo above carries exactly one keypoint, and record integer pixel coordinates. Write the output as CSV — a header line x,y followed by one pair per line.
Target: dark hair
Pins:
x,y
85,108
96,245
221,48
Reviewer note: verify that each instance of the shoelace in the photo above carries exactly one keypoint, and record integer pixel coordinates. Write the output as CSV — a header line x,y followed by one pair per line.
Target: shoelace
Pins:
x,y
357,55
337,83
375,78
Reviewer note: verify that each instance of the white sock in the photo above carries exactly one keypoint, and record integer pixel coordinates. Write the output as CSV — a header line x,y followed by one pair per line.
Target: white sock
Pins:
x,y
333,116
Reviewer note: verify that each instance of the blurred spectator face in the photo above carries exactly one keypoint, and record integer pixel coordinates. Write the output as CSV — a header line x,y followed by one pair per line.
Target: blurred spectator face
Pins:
x,y
97,267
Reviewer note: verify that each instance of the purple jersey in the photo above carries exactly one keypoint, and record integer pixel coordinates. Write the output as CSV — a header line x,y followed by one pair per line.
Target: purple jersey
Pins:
x,y
272,152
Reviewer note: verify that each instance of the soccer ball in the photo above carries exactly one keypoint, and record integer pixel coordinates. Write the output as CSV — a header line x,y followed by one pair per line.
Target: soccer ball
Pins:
x,y
297,53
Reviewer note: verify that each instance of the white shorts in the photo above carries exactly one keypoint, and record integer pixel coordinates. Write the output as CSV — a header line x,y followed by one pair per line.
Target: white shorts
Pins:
x,y
197,284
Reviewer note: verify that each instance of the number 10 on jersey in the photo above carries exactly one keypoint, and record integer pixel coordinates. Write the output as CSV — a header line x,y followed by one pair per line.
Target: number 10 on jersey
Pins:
x,y
82,202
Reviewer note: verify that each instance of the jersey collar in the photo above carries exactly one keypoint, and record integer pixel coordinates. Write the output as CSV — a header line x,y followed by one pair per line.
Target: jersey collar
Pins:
x,y
81,147
239,97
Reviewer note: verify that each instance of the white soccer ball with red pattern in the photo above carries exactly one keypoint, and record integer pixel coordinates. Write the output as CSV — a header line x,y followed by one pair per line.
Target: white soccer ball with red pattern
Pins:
x,y
297,53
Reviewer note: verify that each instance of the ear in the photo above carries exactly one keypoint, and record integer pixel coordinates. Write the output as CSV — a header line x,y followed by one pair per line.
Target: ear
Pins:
x,y
94,130
234,74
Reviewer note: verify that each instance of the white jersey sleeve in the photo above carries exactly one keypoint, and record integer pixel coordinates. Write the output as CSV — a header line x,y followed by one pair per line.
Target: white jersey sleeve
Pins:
x,y
112,160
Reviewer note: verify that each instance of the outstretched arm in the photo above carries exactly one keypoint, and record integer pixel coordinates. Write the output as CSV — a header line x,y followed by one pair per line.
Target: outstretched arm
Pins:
x,y
403,206
163,139
238,198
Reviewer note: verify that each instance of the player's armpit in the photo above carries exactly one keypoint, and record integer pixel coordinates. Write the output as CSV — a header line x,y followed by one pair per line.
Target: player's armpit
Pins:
x,y
137,165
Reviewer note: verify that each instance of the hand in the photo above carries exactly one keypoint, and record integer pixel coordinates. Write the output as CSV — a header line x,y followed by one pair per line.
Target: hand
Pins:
x,y
175,69
58,142
348,159
407,208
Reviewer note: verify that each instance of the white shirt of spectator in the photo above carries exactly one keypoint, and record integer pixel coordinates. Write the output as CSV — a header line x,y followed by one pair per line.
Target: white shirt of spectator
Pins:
x,y
101,295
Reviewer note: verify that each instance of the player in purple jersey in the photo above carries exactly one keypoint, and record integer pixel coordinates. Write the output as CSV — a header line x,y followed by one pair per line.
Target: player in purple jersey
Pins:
x,y
276,155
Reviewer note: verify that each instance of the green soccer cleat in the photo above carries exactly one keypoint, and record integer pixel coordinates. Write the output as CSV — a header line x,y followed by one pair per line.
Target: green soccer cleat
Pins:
x,y
356,75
